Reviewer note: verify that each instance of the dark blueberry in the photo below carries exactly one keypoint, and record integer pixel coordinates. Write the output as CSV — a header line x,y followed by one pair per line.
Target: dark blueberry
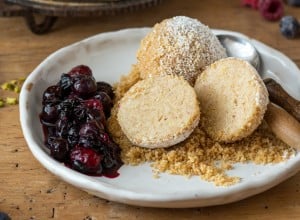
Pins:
x,y
91,128
108,162
62,127
107,88
85,160
84,85
49,113
73,136
80,70
67,107
111,158
4,216
49,140
90,141
59,148
74,96
294,2
115,149
94,114
289,27
80,113
50,131
95,138
47,124
65,84
106,102
52,95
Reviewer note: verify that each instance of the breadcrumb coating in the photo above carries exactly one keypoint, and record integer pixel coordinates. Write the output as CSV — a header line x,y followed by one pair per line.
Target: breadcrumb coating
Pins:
x,y
233,98
198,155
159,111
178,45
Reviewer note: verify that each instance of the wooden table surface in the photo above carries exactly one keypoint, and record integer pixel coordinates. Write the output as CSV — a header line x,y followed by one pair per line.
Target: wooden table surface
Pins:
x,y
28,191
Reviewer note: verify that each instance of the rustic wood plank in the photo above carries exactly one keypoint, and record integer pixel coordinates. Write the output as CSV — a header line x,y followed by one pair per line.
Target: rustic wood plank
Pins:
x,y
8,10
28,191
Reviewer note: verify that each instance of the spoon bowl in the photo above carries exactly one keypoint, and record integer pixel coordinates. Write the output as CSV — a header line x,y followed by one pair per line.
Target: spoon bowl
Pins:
x,y
240,48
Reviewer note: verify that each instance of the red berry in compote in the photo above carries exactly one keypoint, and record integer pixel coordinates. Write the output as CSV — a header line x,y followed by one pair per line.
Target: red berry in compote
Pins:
x,y
74,120
80,70
106,101
84,85
85,160
94,104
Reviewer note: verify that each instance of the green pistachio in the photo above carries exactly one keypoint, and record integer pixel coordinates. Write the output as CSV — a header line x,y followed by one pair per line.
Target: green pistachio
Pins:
x,y
21,80
17,89
14,86
7,86
14,82
1,103
11,101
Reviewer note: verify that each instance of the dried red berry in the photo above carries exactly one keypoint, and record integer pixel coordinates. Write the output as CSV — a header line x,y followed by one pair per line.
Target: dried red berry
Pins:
x,y
271,10
250,3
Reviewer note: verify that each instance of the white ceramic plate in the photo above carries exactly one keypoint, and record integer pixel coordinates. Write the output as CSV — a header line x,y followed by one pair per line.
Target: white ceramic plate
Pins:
x,y
110,55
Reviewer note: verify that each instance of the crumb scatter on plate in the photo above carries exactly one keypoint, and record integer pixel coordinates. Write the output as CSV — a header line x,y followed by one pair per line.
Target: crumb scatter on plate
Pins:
x,y
198,155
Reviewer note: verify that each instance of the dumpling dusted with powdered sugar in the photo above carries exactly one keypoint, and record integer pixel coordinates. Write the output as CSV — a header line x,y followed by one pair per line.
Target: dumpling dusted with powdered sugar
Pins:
x,y
178,45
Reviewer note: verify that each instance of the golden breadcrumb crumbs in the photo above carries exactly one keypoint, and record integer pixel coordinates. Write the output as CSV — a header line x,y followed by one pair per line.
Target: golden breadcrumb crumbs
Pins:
x,y
198,155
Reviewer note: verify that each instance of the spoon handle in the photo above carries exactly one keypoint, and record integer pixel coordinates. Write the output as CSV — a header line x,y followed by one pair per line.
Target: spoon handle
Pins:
x,y
283,125
280,97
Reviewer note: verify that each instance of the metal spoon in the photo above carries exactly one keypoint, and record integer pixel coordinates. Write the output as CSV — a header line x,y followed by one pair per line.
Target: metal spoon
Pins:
x,y
241,48
283,125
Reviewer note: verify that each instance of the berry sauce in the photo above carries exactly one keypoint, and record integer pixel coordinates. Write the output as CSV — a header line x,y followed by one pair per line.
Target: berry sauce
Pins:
x,y
74,117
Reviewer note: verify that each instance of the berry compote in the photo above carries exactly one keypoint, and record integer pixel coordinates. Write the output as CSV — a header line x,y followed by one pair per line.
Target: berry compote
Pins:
x,y
74,117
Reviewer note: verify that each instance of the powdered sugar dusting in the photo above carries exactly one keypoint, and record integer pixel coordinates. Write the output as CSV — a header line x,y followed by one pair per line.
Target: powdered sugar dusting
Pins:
x,y
183,28
179,45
